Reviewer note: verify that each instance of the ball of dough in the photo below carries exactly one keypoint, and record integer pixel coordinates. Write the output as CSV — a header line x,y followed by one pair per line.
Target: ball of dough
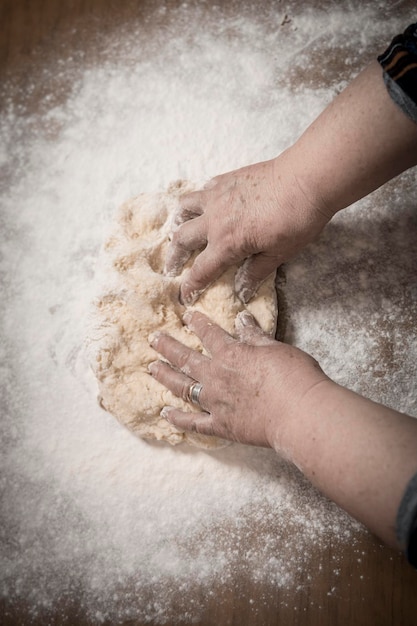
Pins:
x,y
139,299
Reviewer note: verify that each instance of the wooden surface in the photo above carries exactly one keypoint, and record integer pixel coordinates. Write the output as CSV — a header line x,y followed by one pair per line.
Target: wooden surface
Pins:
x,y
375,585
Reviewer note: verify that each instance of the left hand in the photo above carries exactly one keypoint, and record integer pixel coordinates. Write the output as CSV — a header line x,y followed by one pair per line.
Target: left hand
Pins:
x,y
250,385
261,215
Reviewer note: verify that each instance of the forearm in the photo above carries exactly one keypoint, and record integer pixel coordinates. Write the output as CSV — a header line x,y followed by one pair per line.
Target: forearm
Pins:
x,y
359,142
358,453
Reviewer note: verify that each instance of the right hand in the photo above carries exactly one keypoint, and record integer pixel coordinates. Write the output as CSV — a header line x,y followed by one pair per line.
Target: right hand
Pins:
x,y
259,214
253,386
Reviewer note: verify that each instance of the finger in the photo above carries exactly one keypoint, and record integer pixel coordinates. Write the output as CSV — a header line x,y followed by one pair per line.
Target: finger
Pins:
x,y
188,237
190,205
252,273
207,266
190,362
201,423
249,331
212,336
175,381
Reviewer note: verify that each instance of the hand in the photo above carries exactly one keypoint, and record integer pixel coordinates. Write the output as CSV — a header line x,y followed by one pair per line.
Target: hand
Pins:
x,y
258,391
265,213
258,213
251,385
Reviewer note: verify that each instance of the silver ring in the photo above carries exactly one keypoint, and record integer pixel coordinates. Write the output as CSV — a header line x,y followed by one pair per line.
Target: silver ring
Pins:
x,y
194,393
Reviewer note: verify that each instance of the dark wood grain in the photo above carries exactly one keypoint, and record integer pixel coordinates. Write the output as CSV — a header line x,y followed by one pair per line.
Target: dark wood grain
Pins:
x,y
383,590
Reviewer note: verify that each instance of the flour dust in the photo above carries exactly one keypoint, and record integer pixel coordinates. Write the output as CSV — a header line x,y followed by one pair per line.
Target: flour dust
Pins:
x,y
92,517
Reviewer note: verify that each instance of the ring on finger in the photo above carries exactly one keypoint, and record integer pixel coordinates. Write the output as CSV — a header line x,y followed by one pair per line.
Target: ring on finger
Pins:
x,y
194,392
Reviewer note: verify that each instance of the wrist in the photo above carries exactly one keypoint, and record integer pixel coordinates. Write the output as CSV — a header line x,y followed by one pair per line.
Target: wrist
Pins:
x,y
300,189
294,402
359,142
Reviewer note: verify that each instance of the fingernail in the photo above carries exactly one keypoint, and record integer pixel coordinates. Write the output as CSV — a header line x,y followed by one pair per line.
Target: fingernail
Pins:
x,y
153,338
189,301
166,411
171,270
245,318
192,297
186,300
152,367
186,318
245,294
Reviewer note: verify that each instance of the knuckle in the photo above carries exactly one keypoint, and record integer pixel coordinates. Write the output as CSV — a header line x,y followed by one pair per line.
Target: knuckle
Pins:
x,y
231,355
183,391
201,426
178,239
194,426
213,182
190,201
226,241
183,361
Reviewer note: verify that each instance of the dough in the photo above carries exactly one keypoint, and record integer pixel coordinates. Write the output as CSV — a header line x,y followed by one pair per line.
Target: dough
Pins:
x,y
138,300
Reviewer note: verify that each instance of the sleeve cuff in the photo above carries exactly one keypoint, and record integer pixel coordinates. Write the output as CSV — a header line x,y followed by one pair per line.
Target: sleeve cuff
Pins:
x,y
399,63
406,526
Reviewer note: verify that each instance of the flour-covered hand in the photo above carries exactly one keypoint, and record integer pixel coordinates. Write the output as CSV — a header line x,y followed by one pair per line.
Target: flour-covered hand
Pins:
x,y
257,214
259,391
250,385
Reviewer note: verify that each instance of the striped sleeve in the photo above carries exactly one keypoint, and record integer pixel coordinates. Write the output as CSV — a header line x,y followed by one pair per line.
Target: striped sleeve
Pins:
x,y
399,63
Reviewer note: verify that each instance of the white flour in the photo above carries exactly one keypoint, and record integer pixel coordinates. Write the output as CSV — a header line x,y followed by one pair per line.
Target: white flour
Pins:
x,y
91,516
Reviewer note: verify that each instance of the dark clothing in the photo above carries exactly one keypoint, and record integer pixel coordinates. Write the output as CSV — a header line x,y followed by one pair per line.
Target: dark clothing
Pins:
x,y
399,63
407,521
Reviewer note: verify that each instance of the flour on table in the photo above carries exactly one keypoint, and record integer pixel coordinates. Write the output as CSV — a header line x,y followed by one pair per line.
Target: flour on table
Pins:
x,y
139,299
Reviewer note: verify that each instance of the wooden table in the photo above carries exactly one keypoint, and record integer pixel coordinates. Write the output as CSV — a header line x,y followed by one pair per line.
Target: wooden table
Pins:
x,y
382,590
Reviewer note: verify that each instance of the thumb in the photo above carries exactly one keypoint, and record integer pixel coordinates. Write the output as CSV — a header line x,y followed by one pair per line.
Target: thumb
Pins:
x,y
248,330
252,273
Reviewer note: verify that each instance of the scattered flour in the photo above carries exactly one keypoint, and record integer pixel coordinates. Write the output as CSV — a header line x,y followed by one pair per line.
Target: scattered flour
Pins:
x,y
94,520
